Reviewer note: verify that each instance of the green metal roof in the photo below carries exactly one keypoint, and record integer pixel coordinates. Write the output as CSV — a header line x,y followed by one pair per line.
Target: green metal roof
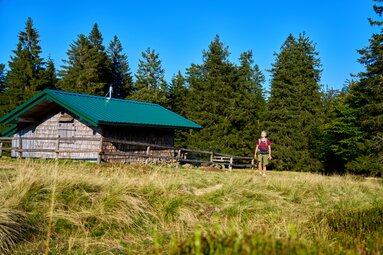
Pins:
x,y
98,110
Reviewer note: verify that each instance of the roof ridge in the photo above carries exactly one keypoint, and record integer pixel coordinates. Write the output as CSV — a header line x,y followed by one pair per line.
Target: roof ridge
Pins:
x,y
101,97
97,110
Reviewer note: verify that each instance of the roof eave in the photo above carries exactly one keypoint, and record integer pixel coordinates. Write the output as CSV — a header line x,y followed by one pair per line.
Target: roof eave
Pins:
x,y
149,125
15,113
45,95
82,115
9,131
50,95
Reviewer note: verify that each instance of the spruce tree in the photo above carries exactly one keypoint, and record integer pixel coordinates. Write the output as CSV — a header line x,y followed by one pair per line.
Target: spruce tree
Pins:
x,y
294,107
26,68
79,72
371,82
2,78
212,101
87,69
150,85
3,88
251,78
2,94
251,103
227,100
103,62
50,74
178,92
340,139
95,38
121,79
366,98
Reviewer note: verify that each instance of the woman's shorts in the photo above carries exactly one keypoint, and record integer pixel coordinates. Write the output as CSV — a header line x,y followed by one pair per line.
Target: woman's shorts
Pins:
x,y
264,159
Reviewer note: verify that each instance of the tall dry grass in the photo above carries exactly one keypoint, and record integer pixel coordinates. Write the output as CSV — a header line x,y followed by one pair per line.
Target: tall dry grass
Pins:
x,y
84,208
13,226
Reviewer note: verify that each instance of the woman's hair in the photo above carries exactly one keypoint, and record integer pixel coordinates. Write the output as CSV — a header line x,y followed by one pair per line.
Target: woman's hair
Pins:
x,y
264,131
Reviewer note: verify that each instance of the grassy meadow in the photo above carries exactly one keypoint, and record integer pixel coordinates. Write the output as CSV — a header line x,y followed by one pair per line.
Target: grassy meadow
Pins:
x,y
65,207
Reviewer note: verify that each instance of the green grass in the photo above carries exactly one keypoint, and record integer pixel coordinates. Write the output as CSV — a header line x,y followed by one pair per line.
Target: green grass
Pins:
x,y
82,208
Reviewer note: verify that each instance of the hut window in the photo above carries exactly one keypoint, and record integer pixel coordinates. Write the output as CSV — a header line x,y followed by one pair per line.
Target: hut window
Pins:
x,y
65,117
66,128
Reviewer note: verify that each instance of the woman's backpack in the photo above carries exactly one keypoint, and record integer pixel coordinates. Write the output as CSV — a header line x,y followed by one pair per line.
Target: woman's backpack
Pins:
x,y
261,150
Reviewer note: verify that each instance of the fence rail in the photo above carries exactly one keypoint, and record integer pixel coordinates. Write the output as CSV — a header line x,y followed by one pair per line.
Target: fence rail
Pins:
x,y
178,155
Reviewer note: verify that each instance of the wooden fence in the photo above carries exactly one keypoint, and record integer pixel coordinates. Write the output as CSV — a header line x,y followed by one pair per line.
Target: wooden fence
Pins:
x,y
177,155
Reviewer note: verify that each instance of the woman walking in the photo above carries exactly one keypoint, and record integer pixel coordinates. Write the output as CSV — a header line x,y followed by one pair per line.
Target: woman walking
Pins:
x,y
263,149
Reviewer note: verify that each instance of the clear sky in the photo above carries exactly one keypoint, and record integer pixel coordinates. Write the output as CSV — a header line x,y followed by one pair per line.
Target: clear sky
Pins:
x,y
180,30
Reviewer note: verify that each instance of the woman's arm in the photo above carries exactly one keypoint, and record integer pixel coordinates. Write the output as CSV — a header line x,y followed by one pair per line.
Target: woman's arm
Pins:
x,y
270,152
255,152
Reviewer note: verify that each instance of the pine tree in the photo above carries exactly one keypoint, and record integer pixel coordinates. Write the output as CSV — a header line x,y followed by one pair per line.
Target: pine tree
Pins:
x,y
87,69
150,85
121,79
294,104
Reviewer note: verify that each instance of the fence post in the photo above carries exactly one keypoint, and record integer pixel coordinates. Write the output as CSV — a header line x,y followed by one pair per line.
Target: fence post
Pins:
x,y
147,154
100,152
57,148
231,163
212,157
1,149
252,163
20,147
178,158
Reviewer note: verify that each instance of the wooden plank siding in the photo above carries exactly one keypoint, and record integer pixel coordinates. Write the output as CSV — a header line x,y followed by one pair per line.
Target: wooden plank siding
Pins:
x,y
116,146
176,155
65,126
62,135
54,126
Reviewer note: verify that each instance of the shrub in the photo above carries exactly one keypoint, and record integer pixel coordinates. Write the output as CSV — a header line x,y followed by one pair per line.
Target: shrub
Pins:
x,y
214,242
359,228
365,165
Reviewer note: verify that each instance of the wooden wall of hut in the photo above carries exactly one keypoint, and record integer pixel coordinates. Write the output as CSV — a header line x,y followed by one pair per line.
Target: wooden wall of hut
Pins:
x,y
63,124
60,124
156,136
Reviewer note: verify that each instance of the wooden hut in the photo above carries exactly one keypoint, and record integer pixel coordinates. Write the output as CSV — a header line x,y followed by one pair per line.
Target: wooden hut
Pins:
x,y
58,124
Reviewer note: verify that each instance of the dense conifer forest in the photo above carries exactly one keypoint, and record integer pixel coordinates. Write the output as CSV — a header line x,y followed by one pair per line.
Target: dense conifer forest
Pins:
x,y
311,129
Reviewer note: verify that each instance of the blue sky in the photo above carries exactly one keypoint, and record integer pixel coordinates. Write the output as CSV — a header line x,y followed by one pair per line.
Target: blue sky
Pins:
x,y
180,30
